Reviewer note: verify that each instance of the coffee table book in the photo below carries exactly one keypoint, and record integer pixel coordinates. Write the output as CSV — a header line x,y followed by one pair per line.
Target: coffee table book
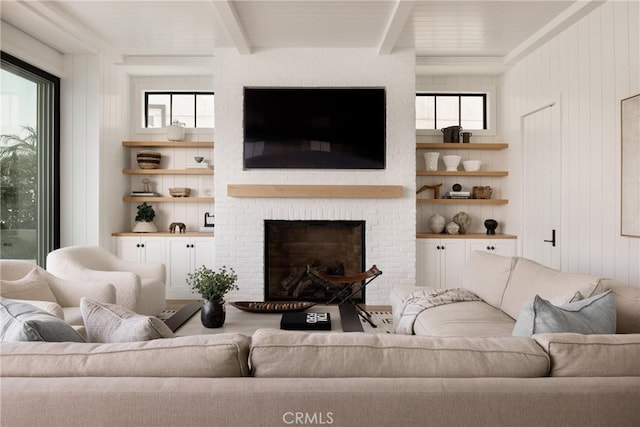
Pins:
x,y
306,321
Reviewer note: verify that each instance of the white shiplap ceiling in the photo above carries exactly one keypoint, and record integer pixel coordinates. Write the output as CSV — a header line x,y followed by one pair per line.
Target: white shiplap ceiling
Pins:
x,y
479,35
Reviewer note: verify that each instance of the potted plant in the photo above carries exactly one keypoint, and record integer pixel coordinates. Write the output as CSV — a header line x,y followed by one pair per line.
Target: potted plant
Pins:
x,y
144,219
212,287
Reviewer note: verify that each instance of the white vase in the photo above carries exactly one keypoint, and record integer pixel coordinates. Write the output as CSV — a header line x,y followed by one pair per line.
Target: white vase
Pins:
x,y
451,162
437,223
145,227
175,132
431,160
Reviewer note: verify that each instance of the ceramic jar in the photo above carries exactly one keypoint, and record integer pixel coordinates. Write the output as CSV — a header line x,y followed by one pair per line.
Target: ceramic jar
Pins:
x,y
437,223
175,132
213,313
451,162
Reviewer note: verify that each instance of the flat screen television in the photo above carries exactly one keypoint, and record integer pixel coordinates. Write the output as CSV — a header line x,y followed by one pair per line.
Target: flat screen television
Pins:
x,y
317,128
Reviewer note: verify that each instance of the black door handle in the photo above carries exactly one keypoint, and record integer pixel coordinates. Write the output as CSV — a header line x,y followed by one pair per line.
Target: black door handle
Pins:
x,y
553,238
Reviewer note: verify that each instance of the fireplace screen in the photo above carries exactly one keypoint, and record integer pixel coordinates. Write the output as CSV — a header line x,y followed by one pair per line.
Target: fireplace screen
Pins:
x,y
332,247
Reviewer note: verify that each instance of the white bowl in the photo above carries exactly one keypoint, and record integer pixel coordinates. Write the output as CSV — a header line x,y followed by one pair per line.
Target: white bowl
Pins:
x,y
451,162
471,165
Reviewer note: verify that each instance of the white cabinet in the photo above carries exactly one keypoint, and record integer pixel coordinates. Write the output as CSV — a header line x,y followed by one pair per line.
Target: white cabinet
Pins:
x,y
183,256
440,262
140,249
504,247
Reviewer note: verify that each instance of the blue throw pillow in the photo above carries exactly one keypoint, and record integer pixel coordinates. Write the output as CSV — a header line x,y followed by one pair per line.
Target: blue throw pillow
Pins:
x,y
24,322
595,315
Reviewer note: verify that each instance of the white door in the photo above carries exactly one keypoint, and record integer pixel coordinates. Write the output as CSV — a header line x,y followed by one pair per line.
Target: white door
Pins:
x,y
541,191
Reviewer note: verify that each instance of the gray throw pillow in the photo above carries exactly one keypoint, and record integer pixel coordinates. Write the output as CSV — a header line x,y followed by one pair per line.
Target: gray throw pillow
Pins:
x,y
595,315
24,322
113,323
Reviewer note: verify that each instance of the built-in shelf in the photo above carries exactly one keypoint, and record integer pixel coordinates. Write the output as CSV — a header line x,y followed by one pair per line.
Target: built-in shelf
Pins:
x,y
199,171
462,146
167,199
464,201
461,173
169,144
315,191
465,236
161,234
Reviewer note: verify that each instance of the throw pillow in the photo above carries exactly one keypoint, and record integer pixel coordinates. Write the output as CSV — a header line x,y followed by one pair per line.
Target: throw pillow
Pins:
x,y
107,323
595,315
33,286
50,307
24,322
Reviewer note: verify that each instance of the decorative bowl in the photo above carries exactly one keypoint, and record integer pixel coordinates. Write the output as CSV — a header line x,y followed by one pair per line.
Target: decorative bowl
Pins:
x,y
179,192
471,165
148,159
272,306
198,159
451,162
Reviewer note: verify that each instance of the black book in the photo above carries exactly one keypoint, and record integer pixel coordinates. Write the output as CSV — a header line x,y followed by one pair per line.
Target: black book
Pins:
x,y
306,322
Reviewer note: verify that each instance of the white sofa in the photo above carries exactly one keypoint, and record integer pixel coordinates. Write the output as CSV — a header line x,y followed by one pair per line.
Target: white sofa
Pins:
x,y
140,287
23,280
505,285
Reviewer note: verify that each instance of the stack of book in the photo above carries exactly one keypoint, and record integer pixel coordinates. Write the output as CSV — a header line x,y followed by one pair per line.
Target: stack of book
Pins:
x,y
145,194
458,195
194,165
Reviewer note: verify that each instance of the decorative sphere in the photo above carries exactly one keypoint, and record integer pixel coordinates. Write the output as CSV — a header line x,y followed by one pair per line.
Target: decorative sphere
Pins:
x,y
453,228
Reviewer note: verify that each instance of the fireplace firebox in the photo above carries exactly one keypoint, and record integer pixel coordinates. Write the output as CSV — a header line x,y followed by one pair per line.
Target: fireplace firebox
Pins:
x,y
335,248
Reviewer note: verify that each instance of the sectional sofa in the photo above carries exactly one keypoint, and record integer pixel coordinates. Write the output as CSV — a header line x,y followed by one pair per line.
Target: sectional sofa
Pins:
x,y
344,379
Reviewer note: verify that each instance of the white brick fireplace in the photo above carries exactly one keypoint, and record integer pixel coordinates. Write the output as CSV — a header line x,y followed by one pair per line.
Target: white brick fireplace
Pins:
x,y
390,222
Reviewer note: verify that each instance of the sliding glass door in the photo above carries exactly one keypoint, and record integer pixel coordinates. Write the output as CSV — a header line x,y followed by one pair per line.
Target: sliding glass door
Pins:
x,y
29,161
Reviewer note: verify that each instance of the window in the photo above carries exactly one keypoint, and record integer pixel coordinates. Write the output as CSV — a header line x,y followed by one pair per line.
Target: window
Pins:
x,y
440,110
192,109
29,161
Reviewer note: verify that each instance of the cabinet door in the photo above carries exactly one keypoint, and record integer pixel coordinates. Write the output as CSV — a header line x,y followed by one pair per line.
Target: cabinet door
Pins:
x,y
178,264
128,248
428,255
202,252
453,262
152,250
504,247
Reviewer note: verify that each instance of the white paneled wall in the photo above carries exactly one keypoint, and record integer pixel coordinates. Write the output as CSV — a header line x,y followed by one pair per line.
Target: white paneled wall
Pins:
x,y
587,69
390,223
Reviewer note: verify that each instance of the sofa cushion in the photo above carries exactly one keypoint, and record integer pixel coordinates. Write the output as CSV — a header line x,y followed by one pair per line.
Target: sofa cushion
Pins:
x,y
578,355
33,286
25,322
486,275
529,279
219,355
627,300
463,319
595,315
276,353
114,323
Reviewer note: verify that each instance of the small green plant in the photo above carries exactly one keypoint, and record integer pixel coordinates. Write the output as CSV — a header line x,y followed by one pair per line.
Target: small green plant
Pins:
x,y
145,213
212,284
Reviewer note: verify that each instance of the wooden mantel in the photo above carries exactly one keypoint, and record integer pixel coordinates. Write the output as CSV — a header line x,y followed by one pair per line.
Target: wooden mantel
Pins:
x,y
315,191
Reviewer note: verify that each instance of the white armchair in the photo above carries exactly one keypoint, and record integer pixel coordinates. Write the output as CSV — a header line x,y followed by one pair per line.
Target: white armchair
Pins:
x,y
67,293
140,287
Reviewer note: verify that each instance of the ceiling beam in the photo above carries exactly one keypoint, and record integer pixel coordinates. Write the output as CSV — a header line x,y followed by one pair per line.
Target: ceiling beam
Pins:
x,y
71,27
397,20
231,21
558,24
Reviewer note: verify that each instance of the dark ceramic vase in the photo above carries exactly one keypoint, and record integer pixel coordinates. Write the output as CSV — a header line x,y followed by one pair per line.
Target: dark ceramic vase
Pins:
x,y
212,313
491,225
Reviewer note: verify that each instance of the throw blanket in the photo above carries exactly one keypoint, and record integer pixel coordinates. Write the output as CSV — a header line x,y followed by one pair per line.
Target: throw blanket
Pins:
x,y
417,302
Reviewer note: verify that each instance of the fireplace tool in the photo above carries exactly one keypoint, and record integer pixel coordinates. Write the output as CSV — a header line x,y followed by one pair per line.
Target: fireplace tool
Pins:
x,y
347,293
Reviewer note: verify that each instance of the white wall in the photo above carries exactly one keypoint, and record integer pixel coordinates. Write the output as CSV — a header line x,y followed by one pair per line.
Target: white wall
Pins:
x,y
588,69
390,223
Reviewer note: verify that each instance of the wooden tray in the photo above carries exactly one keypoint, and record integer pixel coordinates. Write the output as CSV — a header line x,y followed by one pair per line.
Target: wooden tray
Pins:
x,y
272,306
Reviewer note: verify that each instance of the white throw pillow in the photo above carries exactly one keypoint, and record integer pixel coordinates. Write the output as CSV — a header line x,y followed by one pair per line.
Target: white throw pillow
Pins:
x,y
107,323
33,286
